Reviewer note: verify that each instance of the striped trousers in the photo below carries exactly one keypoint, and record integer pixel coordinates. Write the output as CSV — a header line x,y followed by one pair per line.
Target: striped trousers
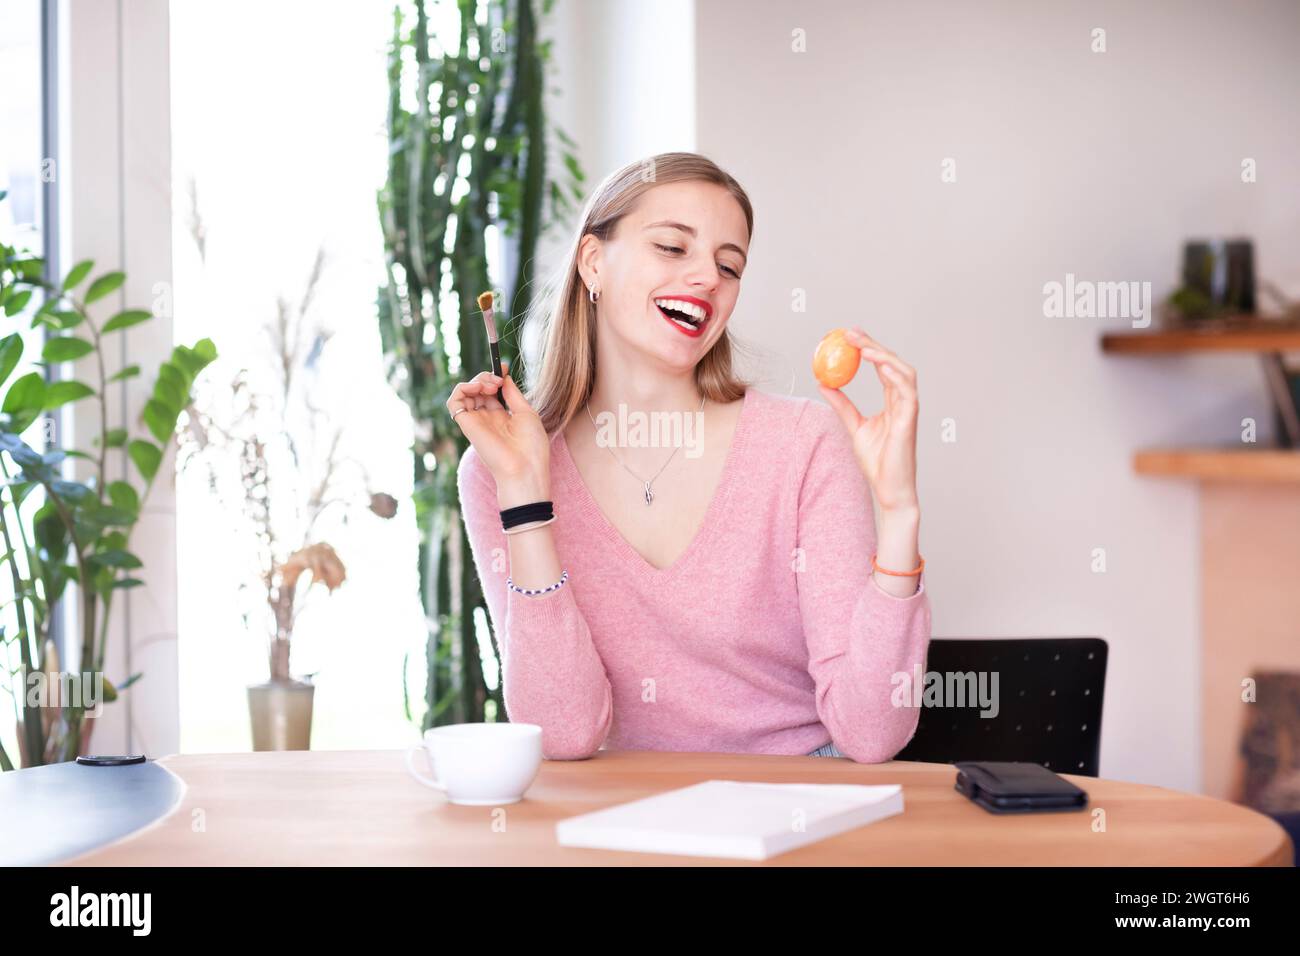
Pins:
x,y
828,750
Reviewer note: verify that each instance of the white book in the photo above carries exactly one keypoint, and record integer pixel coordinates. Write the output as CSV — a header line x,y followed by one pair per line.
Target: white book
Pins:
x,y
732,818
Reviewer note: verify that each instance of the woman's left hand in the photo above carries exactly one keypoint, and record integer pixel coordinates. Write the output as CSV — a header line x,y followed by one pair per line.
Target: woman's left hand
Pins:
x,y
885,443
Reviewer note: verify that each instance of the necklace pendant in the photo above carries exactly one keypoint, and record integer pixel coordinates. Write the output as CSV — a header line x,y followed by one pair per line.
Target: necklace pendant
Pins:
x,y
649,495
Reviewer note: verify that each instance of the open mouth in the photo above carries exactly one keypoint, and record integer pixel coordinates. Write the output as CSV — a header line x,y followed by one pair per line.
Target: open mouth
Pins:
x,y
687,317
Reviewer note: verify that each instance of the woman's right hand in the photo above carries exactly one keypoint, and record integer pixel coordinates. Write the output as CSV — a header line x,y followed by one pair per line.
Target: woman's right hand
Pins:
x,y
513,444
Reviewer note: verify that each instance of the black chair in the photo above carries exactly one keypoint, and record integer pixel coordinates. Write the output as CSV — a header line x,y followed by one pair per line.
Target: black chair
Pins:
x,y
1049,697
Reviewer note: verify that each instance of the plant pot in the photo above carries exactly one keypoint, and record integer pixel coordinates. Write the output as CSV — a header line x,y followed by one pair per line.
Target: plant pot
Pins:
x,y
280,714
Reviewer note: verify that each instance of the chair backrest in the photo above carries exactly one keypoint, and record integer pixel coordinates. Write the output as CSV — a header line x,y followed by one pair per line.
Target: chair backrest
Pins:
x,y
1047,704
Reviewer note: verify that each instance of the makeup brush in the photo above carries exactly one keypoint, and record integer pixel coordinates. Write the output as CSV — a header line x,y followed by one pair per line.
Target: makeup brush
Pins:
x,y
485,303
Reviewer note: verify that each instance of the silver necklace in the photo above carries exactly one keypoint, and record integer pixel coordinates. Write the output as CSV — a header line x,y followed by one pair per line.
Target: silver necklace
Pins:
x,y
649,494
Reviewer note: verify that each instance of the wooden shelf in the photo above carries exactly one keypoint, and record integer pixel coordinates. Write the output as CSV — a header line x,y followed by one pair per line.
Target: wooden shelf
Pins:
x,y
1221,464
1267,338
1254,335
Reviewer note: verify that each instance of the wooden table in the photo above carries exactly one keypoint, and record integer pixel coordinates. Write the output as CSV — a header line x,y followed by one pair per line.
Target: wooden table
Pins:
x,y
343,808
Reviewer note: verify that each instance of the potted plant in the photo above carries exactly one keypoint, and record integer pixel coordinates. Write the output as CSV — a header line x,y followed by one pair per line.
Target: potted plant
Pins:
x,y
274,460
489,89
64,536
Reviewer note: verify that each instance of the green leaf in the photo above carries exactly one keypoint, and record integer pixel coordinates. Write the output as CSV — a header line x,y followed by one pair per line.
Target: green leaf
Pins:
x,y
105,284
575,170
60,393
20,490
115,558
68,318
27,457
205,349
115,438
70,490
127,583
192,361
160,419
77,273
123,496
115,516
51,536
55,584
124,320
146,456
22,420
171,389
26,394
66,348
15,303
11,350
131,371
91,518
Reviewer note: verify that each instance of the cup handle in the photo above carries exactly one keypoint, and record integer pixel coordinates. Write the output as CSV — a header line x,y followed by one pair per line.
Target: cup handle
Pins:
x,y
431,782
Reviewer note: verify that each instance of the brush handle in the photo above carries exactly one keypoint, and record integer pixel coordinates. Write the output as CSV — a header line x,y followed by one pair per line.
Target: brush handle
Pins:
x,y
496,370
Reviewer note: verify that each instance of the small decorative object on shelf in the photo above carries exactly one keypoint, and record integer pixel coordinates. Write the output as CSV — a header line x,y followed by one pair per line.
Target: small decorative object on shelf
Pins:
x,y
1215,311
1218,283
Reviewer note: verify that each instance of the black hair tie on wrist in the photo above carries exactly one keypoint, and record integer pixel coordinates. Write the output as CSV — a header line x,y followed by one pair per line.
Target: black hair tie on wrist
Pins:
x,y
523,514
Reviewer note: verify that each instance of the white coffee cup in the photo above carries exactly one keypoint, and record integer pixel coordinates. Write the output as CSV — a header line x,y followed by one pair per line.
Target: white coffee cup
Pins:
x,y
480,765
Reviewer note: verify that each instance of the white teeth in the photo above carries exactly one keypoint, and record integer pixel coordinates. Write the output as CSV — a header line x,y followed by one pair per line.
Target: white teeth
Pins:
x,y
685,325
688,307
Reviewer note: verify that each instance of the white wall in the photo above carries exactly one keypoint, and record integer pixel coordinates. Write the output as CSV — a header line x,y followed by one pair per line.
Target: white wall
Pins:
x,y
621,84
1067,161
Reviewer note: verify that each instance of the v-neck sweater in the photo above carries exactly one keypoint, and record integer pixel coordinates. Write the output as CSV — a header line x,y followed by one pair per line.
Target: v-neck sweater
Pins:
x,y
768,635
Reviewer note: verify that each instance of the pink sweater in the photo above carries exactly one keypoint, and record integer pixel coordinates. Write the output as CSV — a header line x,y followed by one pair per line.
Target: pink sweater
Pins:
x,y
769,635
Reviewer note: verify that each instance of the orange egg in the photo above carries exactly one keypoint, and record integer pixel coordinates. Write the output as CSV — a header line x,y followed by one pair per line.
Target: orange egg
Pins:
x,y
836,360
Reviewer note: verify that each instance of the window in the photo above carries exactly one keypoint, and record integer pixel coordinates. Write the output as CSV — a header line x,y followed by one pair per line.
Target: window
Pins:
x,y
277,154
28,222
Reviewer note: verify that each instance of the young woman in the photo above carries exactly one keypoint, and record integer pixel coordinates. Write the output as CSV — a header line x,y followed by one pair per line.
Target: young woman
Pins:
x,y
732,595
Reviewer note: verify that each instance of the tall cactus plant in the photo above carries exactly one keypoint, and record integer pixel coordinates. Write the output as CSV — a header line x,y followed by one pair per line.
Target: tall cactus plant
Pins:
x,y
467,151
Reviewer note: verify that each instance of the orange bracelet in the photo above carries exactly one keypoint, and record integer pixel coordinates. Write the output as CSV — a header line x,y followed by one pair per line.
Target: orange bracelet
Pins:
x,y
900,574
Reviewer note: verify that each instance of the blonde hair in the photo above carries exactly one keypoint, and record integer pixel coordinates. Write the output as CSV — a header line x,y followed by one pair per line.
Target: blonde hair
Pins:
x,y
566,367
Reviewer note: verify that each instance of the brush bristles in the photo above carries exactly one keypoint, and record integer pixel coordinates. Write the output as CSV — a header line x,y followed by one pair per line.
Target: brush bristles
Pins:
x,y
485,303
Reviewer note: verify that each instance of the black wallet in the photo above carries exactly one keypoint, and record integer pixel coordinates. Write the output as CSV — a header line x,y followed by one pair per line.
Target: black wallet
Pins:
x,y
1010,787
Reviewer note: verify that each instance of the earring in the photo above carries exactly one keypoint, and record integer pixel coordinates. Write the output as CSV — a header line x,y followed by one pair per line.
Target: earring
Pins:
x,y
592,294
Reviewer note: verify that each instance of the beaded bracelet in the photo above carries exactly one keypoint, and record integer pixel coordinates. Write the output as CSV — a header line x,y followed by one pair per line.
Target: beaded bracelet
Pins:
x,y
510,585
530,527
